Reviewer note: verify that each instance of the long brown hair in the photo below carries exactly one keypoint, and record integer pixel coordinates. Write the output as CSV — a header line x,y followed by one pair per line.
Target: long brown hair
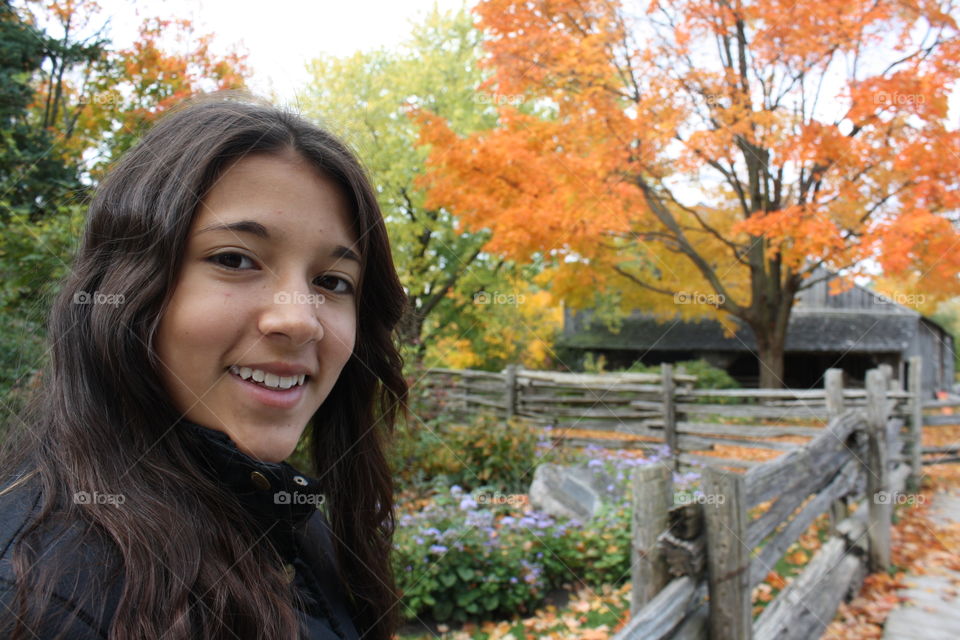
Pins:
x,y
101,420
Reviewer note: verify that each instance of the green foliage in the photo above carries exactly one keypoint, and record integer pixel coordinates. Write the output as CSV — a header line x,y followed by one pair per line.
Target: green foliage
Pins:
x,y
593,554
708,376
456,560
488,451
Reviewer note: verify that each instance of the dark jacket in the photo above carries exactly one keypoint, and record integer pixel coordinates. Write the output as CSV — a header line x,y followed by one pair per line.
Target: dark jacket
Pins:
x,y
296,527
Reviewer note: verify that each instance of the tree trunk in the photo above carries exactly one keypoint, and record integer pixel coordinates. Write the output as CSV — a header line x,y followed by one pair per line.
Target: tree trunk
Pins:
x,y
410,330
771,341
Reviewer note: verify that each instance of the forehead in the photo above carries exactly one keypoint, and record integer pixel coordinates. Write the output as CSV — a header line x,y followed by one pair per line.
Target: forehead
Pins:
x,y
282,193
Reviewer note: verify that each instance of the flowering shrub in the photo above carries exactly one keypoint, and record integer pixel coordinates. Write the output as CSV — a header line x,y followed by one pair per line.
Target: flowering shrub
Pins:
x,y
480,555
451,561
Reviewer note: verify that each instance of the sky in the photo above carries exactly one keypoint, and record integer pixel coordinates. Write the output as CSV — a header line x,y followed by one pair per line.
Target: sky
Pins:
x,y
281,36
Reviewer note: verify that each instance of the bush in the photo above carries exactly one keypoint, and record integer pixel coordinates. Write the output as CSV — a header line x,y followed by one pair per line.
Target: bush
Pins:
x,y
450,561
488,451
708,376
464,557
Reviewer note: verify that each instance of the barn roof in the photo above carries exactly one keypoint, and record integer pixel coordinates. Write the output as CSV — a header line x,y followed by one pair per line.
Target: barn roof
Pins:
x,y
809,331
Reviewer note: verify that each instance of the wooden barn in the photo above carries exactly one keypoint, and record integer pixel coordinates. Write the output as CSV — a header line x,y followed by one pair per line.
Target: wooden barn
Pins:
x,y
855,330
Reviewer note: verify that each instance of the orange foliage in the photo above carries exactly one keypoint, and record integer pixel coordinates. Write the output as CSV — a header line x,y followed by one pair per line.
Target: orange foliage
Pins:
x,y
669,157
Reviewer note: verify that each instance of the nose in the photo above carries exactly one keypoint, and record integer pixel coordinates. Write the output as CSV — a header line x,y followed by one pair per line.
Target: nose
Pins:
x,y
294,314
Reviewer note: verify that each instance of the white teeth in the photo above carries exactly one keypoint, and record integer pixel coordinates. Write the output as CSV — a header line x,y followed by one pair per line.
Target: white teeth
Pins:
x,y
268,379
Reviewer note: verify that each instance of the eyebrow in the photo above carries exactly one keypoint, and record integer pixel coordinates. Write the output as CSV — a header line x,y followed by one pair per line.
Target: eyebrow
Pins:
x,y
257,229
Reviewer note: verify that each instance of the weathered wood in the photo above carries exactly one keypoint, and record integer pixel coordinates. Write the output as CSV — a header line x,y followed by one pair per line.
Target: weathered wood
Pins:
x,y
662,614
807,605
599,378
841,485
757,393
465,373
728,558
669,412
939,421
484,402
915,441
941,404
750,411
793,497
749,430
612,443
833,389
510,386
694,460
653,491
945,449
692,443
593,412
826,451
555,400
684,557
880,504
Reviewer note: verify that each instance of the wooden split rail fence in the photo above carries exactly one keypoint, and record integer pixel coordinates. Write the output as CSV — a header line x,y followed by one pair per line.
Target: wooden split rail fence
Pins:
x,y
647,411
750,518
845,452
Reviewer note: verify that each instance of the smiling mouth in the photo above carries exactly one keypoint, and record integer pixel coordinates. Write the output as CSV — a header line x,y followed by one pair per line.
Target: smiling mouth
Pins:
x,y
267,380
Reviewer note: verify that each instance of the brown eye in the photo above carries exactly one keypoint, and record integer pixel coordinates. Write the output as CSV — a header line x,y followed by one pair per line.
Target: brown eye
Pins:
x,y
230,260
335,284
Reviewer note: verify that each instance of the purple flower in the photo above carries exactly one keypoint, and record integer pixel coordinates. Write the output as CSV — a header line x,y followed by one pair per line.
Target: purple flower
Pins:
x,y
438,548
468,504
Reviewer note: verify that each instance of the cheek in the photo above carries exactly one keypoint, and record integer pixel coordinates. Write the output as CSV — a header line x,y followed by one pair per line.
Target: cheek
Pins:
x,y
341,334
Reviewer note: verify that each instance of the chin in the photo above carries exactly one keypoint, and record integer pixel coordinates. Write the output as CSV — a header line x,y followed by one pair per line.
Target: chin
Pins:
x,y
268,451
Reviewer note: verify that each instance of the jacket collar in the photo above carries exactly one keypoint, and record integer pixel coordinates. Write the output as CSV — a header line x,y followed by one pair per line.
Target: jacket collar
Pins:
x,y
279,497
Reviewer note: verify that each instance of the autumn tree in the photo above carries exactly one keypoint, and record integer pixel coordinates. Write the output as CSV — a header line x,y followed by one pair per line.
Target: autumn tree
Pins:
x,y
708,157
367,98
71,102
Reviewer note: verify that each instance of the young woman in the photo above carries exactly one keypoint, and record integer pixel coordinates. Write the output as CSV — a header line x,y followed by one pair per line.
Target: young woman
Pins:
x,y
233,293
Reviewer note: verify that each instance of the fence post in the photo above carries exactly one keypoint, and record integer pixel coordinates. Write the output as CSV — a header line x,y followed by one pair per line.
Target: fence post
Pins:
x,y
511,384
915,439
833,389
728,558
880,501
887,371
652,500
669,412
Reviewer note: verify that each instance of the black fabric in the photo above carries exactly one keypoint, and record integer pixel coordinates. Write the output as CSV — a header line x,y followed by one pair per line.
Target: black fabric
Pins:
x,y
283,503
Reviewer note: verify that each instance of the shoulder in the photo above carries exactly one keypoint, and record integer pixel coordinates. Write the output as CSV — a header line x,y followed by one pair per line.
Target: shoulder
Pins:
x,y
84,594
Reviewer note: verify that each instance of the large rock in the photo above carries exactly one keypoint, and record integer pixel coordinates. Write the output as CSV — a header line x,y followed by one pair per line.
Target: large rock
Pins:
x,y
570,492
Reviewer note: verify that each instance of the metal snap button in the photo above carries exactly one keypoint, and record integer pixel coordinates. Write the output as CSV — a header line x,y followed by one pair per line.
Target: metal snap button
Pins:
x,y
300,480
259,481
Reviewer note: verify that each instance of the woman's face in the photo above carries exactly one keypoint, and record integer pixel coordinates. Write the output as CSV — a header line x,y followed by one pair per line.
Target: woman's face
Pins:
x,y
266,292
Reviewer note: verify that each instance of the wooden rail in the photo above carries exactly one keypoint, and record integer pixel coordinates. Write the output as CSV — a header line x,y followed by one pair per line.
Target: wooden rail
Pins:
x,y
750,517
652,410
